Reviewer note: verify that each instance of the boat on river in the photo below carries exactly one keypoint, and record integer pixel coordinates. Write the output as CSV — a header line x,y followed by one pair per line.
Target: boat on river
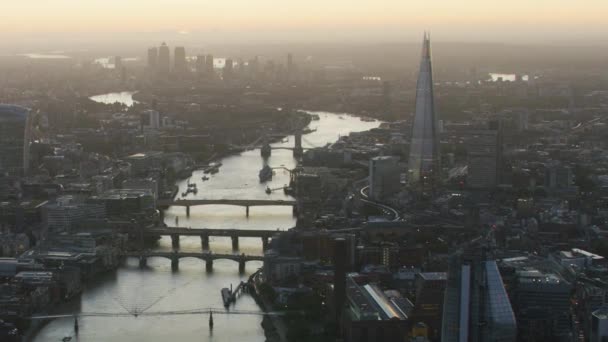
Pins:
x,y
226,296
265,174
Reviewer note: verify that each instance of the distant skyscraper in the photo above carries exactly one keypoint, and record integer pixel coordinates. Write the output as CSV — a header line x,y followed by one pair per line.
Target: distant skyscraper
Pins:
x,y
424,162
384,177
484,152
227,73
209,64
254,66
164,59
179,60
290,67
118,63
200,63
152,58
476,306
14,139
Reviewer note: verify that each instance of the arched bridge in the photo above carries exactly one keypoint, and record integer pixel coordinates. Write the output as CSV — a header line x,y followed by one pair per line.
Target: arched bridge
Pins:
x,y
238,202
207,257
205,233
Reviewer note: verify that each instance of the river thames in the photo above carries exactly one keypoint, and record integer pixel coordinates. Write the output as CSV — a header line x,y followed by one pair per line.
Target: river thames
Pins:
x,y
157,288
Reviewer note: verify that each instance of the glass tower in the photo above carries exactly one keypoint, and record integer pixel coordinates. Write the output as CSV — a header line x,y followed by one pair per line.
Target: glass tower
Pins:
x,y
14,139
476,306
424,164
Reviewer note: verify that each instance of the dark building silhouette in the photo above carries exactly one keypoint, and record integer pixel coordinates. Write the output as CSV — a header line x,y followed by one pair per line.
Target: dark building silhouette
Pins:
x,y
200,63
14,139
484,154
179,60
209,63
164,59
152,58
339,276
430,287
228,69
290,68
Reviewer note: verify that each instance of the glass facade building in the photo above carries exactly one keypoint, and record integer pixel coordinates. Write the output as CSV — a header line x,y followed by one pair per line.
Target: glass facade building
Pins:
x,y
424,160
476,305
14,139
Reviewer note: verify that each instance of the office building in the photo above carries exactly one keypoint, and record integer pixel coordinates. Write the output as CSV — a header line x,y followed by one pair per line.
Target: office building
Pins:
x,y
210,66
384,177
370,315
200,63
15,138
164,59
150,119
179,59
476,307
66,212
599,325
484,154
430,288
118,63
339,276
228,69
542,304
290,67
424,160
558,176
152,58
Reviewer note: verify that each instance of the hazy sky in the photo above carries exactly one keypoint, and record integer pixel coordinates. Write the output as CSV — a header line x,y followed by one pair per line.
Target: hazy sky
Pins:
x,y
356,20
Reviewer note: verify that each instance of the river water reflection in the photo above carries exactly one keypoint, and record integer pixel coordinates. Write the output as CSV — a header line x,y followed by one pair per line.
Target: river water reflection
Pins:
x,y
159,289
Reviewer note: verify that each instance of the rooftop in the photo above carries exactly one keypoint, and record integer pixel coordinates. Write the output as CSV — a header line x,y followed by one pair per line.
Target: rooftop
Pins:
x,y
13,112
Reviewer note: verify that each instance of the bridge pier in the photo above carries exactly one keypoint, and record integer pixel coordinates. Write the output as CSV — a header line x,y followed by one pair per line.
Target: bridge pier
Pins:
x,y
235,242
266,150
205,242
161,216
247,211
294,210
174,263
143,261
209,265
264,243
175,241
187,211
242,265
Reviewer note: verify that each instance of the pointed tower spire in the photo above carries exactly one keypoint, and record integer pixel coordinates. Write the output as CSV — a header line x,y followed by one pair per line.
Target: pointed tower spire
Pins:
x,y
424,166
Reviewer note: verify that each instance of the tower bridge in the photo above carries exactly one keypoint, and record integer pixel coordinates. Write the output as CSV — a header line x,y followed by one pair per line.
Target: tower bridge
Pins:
x,y
266,148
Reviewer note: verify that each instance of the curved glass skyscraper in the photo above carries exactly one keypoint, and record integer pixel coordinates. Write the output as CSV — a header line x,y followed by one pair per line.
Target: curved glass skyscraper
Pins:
x,y
14,139
424,164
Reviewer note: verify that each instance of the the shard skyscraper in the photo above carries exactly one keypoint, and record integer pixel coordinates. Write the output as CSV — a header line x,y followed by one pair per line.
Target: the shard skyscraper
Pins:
x,y
424,162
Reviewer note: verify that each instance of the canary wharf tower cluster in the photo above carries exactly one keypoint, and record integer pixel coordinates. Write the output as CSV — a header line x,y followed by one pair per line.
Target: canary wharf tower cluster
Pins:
x,y
424,160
